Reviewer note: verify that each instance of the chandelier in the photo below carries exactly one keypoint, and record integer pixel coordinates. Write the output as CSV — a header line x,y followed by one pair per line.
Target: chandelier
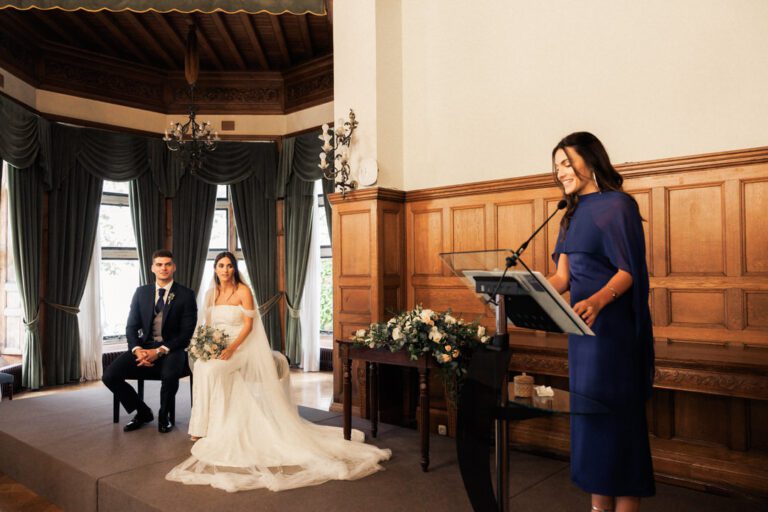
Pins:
x,y
191,139
339,172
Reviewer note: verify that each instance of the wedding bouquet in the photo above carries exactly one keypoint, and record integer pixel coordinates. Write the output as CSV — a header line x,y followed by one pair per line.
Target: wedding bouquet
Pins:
x,y
207,343
421,332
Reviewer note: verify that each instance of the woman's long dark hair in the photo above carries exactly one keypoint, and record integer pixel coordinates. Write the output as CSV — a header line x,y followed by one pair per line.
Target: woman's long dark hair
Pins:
x,y
233,259
596,159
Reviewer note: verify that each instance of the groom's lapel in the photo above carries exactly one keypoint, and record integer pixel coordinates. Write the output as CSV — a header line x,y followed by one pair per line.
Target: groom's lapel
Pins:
x,y
169,303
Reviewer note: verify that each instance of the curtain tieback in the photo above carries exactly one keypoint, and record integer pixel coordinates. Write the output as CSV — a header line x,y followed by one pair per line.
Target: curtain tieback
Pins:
x,y
293,312
61,307
32,325
269,304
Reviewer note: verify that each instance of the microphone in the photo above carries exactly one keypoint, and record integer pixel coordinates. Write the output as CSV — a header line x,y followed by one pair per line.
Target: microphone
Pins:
x,y
512,260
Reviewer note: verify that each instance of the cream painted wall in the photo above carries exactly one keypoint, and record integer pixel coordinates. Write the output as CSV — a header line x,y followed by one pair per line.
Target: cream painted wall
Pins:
x,y
101,112
18,89
490,86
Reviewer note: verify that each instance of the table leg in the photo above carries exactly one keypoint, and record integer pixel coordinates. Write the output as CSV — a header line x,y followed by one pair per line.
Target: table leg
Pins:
x,y
373,379
424,405
347,392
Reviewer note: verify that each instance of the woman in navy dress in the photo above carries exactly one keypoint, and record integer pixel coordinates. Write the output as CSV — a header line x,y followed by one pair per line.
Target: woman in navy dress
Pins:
x,y
600,258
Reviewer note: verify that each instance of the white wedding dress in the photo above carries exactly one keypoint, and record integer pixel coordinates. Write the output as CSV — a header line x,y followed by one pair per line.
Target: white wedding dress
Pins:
x,y
251,433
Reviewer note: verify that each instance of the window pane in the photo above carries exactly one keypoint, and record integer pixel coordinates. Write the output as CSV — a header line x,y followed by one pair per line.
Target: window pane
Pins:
x,y
325,239
239,244
115,226
326,294
116,187
219,231
221,192
13,334
119,278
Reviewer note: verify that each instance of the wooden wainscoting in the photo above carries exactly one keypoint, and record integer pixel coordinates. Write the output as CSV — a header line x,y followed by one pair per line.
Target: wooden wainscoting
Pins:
x,y
707,250
368,272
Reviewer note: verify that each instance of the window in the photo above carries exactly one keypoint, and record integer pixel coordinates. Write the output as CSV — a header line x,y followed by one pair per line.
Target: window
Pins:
x,y
119,259
11,319
224,237
326,273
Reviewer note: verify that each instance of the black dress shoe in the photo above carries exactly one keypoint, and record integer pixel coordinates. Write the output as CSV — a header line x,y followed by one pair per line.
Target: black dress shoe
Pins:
x,y
164,424
137,422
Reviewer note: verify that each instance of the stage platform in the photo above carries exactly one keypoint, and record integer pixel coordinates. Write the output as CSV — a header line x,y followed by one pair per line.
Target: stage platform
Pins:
x,y
65,448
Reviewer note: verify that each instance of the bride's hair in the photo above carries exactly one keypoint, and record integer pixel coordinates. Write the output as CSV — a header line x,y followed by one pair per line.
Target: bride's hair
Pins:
x,y
233,260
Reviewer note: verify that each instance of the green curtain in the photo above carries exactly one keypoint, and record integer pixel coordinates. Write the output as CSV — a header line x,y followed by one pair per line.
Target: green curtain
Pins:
x,y
73,218
254,204
25,193
298,172
148,217
193,209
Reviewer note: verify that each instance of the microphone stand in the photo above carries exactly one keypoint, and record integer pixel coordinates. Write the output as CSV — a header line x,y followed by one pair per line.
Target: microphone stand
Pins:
x,y
512,260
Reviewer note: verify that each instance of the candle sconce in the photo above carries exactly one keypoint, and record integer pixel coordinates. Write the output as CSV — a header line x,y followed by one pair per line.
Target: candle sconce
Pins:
x,y
337,142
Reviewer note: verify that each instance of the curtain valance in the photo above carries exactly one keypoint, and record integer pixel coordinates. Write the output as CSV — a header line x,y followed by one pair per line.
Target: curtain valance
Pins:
x,y
183,6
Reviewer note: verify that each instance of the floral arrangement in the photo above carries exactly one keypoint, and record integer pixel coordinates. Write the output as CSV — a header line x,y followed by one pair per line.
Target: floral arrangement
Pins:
x,y
422,332
207,343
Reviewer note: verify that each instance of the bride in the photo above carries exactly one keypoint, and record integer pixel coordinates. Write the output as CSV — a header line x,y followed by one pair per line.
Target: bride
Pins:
x,y
248,433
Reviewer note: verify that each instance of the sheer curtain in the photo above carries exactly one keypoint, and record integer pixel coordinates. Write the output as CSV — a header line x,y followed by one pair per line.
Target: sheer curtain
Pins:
x,y
89,318
310,307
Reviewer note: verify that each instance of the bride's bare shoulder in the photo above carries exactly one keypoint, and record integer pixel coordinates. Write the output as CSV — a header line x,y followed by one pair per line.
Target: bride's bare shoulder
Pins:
x,y
245,295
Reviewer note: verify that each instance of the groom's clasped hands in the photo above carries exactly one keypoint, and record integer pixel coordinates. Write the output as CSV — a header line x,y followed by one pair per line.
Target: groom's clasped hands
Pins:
x,y
145,357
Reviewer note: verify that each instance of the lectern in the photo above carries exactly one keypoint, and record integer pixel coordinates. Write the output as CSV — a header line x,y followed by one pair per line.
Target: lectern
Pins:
x,y
527,300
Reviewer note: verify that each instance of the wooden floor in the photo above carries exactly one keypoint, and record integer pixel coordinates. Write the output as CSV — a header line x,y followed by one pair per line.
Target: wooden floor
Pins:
x,y
308,389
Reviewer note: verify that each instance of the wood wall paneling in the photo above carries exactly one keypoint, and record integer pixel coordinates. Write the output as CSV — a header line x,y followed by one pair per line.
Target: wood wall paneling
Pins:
x,y
696,230
756,309
754,208
697,307
427,241
355,243
468,228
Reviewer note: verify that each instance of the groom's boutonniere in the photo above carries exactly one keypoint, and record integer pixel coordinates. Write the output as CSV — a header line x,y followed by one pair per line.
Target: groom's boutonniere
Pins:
x,y
170,297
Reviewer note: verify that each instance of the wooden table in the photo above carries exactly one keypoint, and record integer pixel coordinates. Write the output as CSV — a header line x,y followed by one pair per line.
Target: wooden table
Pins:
x,y
372,360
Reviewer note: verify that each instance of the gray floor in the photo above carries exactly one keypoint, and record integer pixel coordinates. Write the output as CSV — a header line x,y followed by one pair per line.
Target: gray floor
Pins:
x,y
66,448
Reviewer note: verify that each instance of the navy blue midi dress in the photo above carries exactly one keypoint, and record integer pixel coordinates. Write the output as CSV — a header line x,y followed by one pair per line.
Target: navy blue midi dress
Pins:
x,y
610,453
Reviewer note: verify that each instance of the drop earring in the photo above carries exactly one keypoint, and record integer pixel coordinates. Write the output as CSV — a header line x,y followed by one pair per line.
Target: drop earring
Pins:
x,y
594,177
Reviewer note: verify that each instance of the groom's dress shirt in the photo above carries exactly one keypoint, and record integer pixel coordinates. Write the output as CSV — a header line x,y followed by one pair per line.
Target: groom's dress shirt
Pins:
x,y
157,321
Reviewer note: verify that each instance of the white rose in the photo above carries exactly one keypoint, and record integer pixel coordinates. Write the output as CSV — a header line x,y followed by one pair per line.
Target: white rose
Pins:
x,y
484,339
217,336
397,334
372,345
360,333
426,316
450,320
435,335
480,331
444,358
392,320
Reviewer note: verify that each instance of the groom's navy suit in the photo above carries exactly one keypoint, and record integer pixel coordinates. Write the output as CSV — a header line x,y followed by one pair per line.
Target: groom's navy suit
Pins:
x,y
178,326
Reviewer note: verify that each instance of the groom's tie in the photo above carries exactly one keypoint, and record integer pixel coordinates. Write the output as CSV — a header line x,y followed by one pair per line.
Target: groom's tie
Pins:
x,y
160,302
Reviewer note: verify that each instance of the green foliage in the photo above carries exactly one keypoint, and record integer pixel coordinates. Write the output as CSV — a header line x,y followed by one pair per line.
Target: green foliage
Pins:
x,y
326,295
423,332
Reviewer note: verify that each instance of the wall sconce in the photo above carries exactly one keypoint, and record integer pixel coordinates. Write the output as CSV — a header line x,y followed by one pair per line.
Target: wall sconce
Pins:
x,y
341,136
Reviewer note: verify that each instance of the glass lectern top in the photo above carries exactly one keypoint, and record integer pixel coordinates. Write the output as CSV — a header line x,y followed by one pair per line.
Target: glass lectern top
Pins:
x,y
493,261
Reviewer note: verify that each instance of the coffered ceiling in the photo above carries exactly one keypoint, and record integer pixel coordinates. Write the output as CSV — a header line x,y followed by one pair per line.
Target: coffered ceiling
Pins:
x,y
249,63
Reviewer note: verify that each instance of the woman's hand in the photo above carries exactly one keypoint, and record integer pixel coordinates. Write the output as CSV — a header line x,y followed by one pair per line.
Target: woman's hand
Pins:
x,y
588,310
228,352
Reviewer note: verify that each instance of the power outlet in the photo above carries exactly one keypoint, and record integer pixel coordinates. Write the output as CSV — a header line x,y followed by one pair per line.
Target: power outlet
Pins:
x,y
442,430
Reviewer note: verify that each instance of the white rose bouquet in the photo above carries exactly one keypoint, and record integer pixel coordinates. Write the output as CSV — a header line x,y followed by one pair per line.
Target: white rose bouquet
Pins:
x,y
425,332
207,343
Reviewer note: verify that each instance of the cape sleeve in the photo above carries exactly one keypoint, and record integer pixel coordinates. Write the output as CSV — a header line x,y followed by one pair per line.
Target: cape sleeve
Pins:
x,y
623,243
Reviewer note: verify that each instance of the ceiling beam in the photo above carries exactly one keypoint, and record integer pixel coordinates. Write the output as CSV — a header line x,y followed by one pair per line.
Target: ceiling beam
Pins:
x,y
218,21
205,45
253,37
118,34
280,37
87,30
46,20
150,39
169,32
305,37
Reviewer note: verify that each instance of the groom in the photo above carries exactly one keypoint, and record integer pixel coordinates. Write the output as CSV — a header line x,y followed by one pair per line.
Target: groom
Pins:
x,y
161,322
